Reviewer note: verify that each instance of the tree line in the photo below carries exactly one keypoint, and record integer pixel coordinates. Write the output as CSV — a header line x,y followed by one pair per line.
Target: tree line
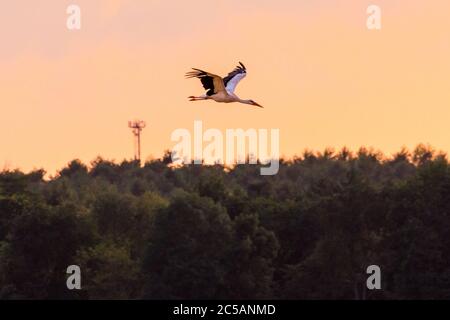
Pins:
x,y
208,232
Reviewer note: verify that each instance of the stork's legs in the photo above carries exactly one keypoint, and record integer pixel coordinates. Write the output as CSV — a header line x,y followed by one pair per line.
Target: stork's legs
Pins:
x,y
192,98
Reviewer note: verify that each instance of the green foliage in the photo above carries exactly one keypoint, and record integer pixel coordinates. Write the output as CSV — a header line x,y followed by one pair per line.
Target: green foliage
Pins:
x,y
206,232
188,248
110,272
213,258
40,243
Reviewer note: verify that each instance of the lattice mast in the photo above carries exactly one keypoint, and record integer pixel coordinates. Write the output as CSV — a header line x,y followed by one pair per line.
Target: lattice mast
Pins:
x,y
136,127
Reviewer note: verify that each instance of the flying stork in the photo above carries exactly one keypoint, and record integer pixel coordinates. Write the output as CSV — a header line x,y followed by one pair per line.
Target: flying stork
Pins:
x,y
221,90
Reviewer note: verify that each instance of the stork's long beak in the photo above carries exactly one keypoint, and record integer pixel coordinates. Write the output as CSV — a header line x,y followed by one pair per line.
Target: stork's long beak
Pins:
x,y
257,104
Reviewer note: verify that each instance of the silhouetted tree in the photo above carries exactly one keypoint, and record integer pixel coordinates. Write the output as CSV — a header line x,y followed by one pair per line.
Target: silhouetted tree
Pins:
x,y
211,232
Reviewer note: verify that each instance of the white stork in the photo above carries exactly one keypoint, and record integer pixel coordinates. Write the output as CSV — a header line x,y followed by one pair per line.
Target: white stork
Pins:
x,y
221,90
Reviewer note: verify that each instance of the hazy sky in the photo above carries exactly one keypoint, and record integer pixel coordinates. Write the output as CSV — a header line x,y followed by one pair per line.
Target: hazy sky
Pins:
x,y
323,77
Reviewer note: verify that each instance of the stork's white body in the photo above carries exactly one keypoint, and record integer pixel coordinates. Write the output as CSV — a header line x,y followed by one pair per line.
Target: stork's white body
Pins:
x,y
224,96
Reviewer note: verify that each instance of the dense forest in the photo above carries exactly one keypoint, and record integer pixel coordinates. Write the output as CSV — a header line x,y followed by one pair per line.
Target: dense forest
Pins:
x,y
207,232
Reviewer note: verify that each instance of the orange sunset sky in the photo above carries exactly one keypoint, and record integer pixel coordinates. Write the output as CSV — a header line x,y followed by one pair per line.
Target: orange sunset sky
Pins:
x,y
323,77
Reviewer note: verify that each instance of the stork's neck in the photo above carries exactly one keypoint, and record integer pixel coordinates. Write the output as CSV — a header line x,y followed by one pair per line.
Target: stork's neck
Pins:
x,y
244,101
250,102
237,99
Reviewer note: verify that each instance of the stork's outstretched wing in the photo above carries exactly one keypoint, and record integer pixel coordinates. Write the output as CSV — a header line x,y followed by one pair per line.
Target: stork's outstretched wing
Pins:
x,y
211,82
234,77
